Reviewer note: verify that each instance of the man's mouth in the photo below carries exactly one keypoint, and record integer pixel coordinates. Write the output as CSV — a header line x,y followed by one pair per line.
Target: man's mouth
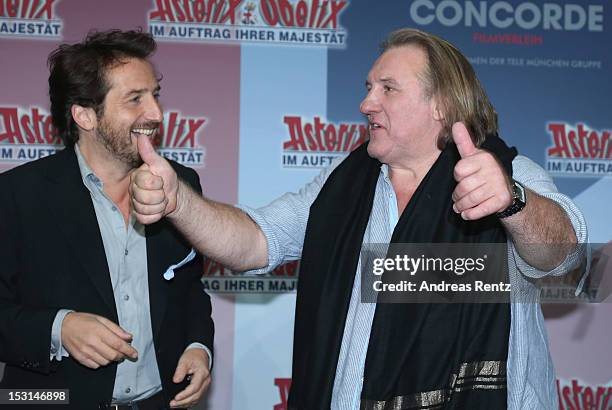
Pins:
x,y
144,131
375,125
148,130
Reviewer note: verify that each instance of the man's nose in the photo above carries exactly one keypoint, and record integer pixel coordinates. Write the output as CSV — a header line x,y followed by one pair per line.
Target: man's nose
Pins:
x,y
369,104
153,111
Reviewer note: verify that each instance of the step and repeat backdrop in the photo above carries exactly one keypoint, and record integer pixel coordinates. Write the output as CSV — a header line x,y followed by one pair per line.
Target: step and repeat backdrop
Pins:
x,y
260,95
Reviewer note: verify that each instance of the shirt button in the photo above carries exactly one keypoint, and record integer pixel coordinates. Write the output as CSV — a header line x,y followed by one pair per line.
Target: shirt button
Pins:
x,y
114,209
128,390
126,297
126,252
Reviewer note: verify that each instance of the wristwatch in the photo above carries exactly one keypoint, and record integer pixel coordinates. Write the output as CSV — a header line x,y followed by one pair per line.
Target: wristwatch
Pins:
x,y
519,199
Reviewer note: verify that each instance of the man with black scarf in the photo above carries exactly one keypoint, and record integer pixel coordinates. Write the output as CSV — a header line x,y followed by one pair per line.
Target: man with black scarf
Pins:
x,y
433,171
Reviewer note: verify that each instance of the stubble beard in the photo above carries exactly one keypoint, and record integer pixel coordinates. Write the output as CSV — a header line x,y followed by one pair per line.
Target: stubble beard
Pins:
x,y
118,143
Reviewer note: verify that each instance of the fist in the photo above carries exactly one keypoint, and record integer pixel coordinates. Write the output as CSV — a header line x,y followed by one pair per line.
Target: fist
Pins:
x,y
154,186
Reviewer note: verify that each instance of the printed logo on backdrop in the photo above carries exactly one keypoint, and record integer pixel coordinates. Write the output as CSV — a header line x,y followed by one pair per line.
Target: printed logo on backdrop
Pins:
x,y
506,24
26,134
577,395
578,150
31,19
295,22
283,384
178,138
315,143
219,279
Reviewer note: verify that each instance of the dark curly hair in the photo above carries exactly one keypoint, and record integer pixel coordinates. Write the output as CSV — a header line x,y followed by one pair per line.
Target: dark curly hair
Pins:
x,y
78,73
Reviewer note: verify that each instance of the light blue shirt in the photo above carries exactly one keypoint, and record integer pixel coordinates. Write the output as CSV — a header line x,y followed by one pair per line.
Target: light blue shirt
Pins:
x,y
530,372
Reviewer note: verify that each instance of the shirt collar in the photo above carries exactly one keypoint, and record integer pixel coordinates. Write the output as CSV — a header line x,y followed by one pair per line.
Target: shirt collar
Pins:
x,y
384,168
90,179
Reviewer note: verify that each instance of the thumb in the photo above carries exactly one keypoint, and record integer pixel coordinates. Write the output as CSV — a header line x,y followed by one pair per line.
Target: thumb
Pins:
x,y
462,139
116,329
147,152
181,371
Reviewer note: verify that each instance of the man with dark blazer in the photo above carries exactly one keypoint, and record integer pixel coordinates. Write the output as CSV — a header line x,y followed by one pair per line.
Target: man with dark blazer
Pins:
x,y
87,302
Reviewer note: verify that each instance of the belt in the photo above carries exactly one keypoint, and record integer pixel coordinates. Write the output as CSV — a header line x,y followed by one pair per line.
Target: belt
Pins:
x,y
155,402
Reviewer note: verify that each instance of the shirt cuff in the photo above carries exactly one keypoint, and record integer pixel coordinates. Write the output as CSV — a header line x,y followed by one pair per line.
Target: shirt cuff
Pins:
x,y
196,345
57,349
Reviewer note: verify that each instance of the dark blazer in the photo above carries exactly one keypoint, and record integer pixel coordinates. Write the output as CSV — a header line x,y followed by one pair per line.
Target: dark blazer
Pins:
x,y
52,257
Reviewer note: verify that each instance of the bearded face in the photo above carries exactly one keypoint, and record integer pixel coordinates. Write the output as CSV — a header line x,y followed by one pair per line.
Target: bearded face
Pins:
x,y
131,108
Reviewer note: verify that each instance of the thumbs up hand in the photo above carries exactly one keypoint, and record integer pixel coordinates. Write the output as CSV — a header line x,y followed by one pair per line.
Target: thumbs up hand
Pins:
x,y
483,188
153,187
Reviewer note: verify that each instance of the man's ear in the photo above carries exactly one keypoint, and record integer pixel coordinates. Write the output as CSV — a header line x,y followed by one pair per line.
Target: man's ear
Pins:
x,y
436,109
85,118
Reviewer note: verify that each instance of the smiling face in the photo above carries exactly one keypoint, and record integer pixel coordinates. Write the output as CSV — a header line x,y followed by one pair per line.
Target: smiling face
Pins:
x,y
131,107
402,118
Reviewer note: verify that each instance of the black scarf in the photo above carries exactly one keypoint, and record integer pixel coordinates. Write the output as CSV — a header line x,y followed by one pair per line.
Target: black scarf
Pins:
x,y
419,355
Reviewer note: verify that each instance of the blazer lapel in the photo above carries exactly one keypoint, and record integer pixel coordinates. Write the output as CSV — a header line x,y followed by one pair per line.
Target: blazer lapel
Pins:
x,y
74,211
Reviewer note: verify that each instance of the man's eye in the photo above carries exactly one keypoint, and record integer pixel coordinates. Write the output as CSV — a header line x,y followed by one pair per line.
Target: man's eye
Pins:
x,y
156,96
135,99
387,88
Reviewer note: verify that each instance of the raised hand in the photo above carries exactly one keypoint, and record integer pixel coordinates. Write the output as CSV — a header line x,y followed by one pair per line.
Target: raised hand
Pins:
x,y
154,186
483,188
